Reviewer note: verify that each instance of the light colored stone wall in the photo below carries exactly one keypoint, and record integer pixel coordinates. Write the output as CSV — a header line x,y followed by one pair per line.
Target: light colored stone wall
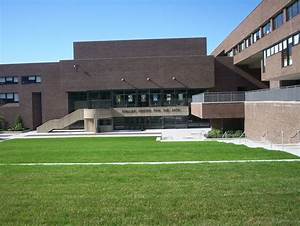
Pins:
x,y
271,121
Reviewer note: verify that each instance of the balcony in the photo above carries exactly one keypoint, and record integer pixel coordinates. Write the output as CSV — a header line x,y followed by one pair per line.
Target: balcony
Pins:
x,y
218,105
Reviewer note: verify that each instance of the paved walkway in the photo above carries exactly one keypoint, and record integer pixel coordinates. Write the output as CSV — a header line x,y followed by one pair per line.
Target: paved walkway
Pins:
x,y
79,133
290,148
147,163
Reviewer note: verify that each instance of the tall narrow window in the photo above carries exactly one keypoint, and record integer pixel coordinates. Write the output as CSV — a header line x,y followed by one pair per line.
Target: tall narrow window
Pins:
x,y
278,21
256,36
287,56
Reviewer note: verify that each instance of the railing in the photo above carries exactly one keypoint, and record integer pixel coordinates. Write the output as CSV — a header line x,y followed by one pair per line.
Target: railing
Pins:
x,y
95,104
92,104
289,93
219,97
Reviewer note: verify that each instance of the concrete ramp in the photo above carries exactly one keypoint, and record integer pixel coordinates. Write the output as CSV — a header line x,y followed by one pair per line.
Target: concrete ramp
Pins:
x,y
90,117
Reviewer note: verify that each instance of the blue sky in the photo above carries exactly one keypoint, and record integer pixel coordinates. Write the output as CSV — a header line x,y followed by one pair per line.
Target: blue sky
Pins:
x,y
44,30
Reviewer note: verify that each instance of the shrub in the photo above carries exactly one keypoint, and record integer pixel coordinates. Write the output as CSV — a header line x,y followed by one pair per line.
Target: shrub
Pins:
x,y
233,133
19,125
239,133
215,133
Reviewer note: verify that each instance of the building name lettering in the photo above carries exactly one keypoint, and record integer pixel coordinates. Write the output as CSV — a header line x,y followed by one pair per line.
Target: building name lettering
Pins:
x,y
150,110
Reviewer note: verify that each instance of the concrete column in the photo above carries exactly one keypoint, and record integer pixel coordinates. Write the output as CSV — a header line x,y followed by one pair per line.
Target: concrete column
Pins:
x,y
89,125
275,84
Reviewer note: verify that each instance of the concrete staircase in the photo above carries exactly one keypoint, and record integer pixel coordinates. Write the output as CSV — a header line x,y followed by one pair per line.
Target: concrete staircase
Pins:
x,y
90,117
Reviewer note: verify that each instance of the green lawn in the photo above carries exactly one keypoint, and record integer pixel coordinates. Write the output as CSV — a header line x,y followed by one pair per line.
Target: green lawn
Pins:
x,y
124,150
206,194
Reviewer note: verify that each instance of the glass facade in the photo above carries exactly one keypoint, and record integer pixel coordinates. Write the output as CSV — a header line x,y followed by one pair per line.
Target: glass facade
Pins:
x,y
131,98
139,98
142,123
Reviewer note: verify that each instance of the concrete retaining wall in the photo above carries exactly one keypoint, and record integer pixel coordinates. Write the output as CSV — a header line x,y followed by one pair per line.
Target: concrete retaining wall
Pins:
x,y
273,121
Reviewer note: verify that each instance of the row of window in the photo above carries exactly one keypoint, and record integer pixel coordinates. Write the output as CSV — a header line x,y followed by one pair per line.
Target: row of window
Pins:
x,y
273,24
30,79
9,98
8,80
293,40
131,98
285,47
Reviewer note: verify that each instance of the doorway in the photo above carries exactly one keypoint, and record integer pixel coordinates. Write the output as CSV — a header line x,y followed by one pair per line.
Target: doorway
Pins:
x,y
36,110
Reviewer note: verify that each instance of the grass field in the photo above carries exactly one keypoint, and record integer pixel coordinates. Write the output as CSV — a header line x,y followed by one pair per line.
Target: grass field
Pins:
x,y
206,194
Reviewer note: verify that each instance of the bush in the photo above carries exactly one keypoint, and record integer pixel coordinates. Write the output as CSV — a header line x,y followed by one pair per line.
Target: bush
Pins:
x,y
239,133
19,125
215,133
233,134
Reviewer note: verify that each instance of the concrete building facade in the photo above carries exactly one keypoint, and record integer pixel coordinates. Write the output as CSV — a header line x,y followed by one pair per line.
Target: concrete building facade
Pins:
x,y
170,83
145,84
266,44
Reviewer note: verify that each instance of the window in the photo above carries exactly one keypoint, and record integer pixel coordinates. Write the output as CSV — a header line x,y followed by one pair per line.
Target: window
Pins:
x,y
287,56
104,122
256,36
284,44
293,10
296,39
278,21
155,97
276,48
248,42
31,79
143,98
118,99
241,47
8,80
230,54
130,98
288,43
268,52
266,29
272,50
280,47
9,98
